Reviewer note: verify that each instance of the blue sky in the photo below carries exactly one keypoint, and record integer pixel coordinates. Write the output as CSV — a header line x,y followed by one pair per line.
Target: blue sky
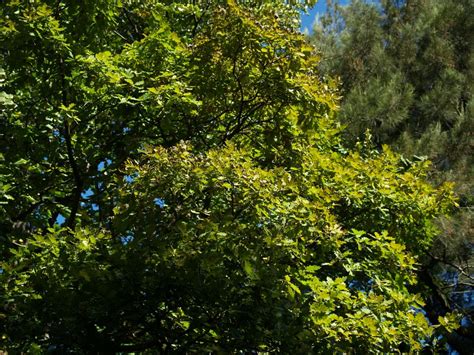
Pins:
x,y
308,19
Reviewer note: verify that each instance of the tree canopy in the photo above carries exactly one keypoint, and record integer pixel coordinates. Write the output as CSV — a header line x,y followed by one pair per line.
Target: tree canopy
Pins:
x,y
173,180
406,70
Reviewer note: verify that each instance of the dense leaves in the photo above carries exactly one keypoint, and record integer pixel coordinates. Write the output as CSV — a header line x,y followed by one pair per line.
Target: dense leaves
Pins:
x,y
173,181
210,251
406,69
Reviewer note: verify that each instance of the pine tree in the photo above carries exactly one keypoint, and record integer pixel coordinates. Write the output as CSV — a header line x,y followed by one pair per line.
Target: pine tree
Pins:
x,y
407,71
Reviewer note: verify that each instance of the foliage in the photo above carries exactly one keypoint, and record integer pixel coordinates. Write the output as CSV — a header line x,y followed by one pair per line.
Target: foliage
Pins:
x,y
406,69
203,242
208,203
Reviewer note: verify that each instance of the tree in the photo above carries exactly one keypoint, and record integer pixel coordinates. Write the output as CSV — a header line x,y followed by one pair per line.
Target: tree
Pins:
x,y
173,180
406,69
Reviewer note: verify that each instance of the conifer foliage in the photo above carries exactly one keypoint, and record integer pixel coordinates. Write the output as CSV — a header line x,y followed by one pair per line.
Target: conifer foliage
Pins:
x,y
173,180
407,71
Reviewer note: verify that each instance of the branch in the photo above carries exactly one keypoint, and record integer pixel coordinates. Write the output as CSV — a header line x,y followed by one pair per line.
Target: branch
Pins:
x,y
70,153
77,177
454,266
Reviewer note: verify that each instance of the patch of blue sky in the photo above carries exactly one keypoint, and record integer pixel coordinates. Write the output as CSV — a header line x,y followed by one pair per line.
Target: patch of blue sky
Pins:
x,y
60,219
450,277
308,19
465,298
466,321
103,164
87,193
362,286
130,178
159,202
451,351
126,239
